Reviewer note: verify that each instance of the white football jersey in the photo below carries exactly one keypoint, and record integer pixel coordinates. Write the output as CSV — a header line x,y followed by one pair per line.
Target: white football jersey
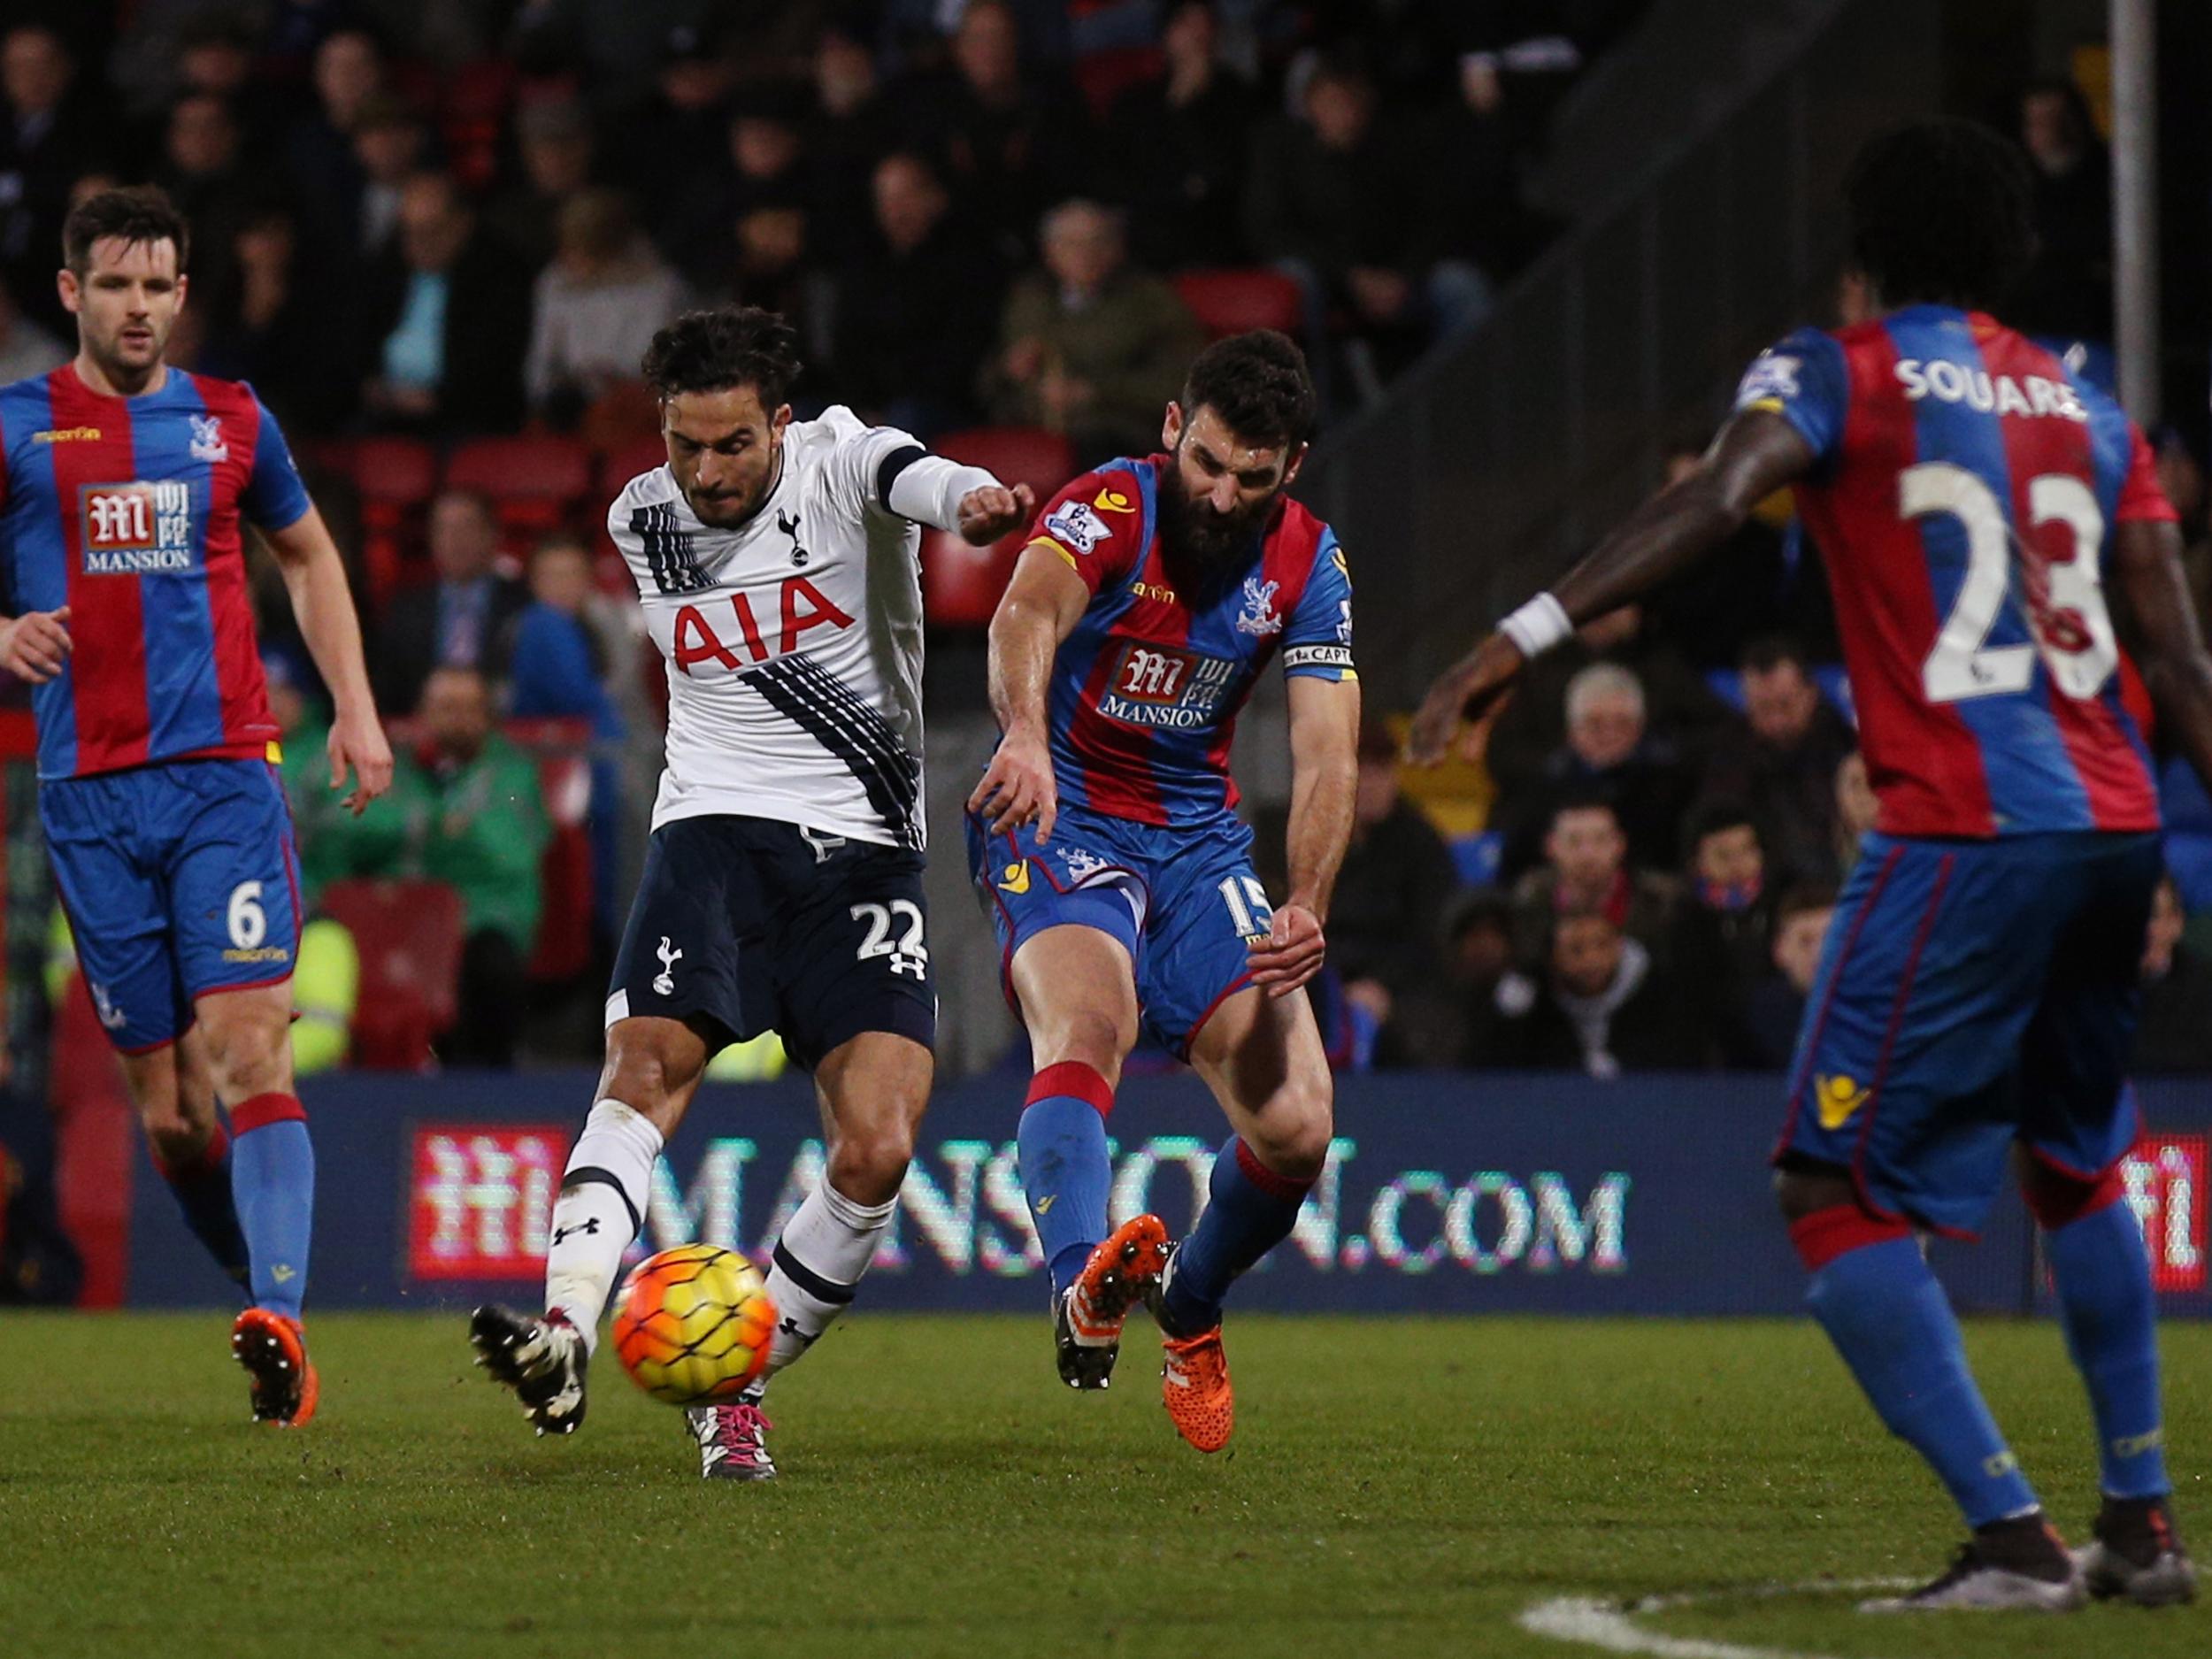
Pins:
x,y
793,643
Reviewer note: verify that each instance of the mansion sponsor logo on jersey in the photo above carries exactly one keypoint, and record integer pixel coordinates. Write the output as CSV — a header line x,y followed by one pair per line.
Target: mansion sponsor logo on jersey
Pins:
x,y
135,529
1166,689
1949,383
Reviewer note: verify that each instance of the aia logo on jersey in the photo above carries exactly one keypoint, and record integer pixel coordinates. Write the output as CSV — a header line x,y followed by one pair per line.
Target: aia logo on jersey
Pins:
x,y
800,605
1166,689
135,529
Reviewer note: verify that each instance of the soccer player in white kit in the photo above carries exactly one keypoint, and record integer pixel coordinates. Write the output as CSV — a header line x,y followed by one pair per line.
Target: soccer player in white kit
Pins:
x,y
776,563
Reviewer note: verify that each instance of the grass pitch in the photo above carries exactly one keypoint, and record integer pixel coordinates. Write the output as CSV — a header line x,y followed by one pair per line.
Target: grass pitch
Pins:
x,y
1397,1487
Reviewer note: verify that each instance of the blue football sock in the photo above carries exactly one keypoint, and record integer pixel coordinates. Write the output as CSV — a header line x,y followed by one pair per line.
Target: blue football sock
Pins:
x,y
201,1186
1890,1320
1249,1211
272,1178
1065,1170
2111,1318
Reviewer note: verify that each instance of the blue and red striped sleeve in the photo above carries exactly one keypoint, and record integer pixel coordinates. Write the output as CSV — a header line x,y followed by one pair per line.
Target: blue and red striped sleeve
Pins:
x,y
2142,498
1804,381
273,498
1317,635
1096,524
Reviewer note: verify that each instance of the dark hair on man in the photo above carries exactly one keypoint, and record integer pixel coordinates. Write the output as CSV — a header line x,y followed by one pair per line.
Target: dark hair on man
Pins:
x,y
142,213
1941,213
1713,818
1587,797
1259,385
1770,651
719,350
1802,899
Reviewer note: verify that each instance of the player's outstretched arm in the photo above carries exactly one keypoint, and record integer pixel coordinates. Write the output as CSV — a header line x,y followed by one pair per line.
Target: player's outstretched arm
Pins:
x,y
1040,608
1324,773
1757,453
2158,622
967,500
316,579
34,645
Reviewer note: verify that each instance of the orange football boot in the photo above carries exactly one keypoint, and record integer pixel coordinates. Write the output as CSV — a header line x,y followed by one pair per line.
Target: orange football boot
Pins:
x,y
1121,1271
1194,1387
273,1350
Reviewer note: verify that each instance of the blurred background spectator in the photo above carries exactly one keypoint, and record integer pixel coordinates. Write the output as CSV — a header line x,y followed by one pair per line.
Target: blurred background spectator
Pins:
x,y
448,313
463,620
1719,947
1780,758
596,308
1776,1009
1586,868
1598,1005
1090,347
2176,1034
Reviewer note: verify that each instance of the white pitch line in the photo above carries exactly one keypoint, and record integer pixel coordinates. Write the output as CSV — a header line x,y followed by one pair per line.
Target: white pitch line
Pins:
x,y
1595,1622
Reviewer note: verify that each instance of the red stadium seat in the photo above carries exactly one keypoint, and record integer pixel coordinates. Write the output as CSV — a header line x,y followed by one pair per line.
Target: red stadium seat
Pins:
x,y
961,584
536,484
394,478
1102,77
470,114
408,936
1233,301
562,747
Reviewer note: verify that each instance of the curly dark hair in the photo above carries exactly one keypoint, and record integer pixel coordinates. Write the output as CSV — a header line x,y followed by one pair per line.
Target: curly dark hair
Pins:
x,y
726,347
1942,213
143,213
1259,385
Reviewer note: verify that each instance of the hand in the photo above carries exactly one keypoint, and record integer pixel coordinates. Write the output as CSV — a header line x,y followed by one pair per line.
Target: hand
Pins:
x,y
1292,952
358,743
985,515
33,647
1017,788
1475,689
1373,996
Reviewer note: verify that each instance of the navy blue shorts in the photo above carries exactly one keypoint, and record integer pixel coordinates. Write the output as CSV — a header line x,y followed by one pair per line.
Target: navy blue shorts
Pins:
x,y
744,924
179,879
1184,902
1970,995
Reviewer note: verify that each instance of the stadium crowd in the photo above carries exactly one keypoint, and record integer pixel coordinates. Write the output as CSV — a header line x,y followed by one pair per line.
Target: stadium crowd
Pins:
x,y
438,223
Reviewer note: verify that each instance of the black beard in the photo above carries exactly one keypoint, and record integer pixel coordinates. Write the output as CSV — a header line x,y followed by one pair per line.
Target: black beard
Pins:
x,y
1202,547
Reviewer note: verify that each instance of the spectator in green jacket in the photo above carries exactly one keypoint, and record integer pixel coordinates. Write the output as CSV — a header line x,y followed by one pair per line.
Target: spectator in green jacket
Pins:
x,y
469,814
1089,346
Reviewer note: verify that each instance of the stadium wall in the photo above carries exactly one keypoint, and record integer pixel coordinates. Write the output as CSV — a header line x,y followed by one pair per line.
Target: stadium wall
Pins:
x,y
1445,1193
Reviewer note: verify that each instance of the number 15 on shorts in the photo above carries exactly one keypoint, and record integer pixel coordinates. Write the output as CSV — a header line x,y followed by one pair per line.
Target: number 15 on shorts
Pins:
x,y
1250,912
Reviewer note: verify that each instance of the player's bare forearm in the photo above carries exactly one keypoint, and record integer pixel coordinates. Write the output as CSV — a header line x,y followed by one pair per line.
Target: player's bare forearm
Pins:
x,y
316,577
1324,748
2164,637
1040,608
1757,453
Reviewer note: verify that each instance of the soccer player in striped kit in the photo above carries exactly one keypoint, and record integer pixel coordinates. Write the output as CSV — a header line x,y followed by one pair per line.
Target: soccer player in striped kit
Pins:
x,y
126,487
1977,998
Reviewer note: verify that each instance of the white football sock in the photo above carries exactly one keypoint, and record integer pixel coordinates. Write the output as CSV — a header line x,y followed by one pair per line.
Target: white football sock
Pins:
x,y
601,1207
827,1246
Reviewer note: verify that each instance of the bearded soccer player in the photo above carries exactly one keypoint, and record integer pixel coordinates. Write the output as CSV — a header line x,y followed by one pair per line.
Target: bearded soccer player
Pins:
x,y
776,562
1976,996
125,486
1105,842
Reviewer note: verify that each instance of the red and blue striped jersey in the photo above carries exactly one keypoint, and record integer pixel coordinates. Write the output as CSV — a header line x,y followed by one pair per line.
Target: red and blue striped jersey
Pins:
x,y
127,511
1147,688
1964,494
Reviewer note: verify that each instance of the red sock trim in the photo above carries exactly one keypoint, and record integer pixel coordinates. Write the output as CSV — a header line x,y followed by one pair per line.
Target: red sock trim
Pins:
x,y
2058,1201
1837,1230
264,1109
206,1161
1274,1186
1072,1079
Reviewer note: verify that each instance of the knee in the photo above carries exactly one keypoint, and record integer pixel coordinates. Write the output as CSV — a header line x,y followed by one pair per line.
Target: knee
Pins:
x,y
649,1080
173,1138
868,1162
249,1057
1087,1036
1291,1136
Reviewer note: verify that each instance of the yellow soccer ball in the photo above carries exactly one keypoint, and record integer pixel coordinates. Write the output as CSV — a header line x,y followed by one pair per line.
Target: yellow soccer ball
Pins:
x,y
692,1325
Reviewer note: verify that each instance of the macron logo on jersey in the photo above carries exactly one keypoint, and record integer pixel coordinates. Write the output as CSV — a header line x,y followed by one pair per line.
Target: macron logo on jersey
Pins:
x,y
137,529
1954,383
